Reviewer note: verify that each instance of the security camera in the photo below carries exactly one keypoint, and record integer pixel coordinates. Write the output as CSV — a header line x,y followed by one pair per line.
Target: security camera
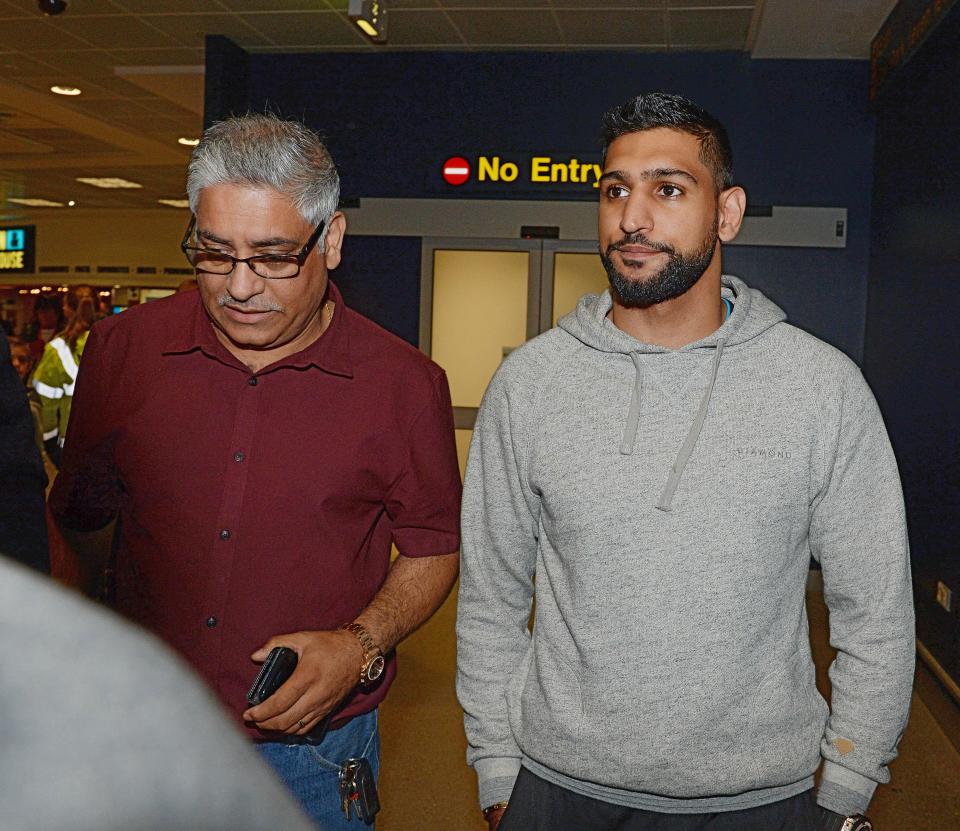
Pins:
x,y
52,7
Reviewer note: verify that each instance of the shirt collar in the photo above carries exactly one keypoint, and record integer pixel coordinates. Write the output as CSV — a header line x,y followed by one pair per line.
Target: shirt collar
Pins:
x,y
330,352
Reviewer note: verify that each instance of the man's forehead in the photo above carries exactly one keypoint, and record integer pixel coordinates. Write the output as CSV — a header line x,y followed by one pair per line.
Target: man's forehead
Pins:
x,y
247,211
660,147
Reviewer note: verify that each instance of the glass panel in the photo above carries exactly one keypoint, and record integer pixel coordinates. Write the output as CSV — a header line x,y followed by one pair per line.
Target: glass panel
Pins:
x,y
575,275
479,309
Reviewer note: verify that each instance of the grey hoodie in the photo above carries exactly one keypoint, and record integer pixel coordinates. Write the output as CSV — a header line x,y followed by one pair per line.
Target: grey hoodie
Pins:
x,y
667,503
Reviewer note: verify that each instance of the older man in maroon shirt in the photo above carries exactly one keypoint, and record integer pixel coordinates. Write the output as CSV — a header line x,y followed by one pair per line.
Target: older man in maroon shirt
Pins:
x,y
263,446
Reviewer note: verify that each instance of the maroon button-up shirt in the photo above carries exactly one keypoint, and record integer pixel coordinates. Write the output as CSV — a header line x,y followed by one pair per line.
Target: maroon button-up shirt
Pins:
x,y
252,505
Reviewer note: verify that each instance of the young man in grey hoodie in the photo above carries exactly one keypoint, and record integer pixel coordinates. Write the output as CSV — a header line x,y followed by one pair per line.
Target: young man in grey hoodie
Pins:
x,y
655,473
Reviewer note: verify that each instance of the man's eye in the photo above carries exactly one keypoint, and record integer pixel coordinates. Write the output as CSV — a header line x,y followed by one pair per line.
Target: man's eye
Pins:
x,y
616,191
670,191
213,252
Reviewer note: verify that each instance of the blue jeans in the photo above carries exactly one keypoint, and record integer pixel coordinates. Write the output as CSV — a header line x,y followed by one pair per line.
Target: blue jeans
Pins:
x,y
311,771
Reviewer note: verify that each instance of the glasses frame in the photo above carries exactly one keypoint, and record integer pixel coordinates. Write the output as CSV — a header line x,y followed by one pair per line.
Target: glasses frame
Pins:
x,y
299,258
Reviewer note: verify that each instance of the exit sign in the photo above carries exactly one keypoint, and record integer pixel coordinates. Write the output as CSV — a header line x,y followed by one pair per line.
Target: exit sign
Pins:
x,y
17,249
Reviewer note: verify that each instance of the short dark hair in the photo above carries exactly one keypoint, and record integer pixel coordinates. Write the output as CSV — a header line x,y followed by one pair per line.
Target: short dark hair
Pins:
x,y
661,109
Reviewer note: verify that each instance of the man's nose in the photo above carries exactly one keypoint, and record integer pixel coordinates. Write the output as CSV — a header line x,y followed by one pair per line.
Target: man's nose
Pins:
x,y
243,282
637,214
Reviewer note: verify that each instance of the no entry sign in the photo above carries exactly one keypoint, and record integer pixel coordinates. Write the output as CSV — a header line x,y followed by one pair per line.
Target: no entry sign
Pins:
x,y
456,170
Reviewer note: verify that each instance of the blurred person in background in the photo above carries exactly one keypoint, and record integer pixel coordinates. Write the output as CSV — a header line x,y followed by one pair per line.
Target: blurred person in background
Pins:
x,y
23,527
106,730
48,319
56,374
24,363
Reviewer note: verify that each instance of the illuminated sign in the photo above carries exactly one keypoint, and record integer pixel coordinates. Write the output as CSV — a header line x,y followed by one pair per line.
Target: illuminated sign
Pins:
x,y
552,172
17,250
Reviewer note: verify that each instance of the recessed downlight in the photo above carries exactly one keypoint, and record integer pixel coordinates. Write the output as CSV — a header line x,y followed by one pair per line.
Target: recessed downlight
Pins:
x,y
64,90
188,142
110,182
175,203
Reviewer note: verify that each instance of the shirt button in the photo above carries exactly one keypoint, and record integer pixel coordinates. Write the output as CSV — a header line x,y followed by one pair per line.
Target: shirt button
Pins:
x,y
211,622
225,534
238,456
252,382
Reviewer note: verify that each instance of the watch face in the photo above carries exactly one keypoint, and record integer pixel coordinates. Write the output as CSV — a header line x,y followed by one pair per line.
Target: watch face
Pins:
x,y
375,668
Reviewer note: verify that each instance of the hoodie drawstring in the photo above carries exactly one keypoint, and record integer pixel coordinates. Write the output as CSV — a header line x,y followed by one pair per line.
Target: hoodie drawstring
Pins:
x,y
686,450
633,415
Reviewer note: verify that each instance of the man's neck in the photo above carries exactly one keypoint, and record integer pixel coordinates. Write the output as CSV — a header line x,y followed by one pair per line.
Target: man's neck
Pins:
x,y
257,359
674,323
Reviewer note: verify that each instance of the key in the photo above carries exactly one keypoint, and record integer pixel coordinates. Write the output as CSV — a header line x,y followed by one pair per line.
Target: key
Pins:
x,y
348,787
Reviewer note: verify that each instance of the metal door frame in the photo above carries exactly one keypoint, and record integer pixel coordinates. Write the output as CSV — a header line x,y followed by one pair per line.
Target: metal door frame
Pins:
x,y
552,247
465,417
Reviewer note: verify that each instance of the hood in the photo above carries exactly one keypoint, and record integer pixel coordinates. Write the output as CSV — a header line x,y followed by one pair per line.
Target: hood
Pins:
x,y
752,315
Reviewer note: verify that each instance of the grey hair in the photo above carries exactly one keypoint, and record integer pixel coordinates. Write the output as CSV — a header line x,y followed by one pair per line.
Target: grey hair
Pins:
x,y
266,151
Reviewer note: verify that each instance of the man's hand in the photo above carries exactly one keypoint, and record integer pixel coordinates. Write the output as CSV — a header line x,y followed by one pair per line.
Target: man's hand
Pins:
x,y
830,821
328,668
494,817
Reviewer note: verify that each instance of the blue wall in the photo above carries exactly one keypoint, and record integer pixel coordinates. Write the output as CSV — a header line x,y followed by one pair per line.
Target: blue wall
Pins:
x,y
801,132
913,309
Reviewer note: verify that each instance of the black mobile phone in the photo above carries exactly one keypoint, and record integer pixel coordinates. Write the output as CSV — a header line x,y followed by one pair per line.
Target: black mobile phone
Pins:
x,y
279,666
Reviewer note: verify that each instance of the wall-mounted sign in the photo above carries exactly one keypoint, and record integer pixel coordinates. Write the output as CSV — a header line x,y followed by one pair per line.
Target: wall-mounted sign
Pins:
x,y
17,249
906,27
551,172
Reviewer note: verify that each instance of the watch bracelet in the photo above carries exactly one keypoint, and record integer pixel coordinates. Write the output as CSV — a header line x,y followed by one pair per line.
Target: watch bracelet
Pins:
x,y
495,807
370,649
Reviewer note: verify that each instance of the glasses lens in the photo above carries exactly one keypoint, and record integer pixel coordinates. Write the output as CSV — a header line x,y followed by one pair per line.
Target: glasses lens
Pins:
x,y
275,268
210,261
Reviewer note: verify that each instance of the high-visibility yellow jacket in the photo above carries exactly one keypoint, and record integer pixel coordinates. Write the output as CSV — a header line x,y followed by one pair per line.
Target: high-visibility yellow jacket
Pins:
x,y
54,379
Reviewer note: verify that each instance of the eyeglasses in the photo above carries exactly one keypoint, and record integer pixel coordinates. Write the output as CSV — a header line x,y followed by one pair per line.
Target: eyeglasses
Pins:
x,y
268,266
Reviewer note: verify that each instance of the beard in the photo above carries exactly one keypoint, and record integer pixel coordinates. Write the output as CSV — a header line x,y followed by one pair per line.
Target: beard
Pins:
x,y
677,277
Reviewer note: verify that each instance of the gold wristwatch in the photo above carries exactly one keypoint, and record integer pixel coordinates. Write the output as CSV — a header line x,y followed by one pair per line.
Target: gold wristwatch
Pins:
x,y
373,660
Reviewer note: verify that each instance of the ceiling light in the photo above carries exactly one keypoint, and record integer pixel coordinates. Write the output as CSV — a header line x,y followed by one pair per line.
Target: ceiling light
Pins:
x,y
59,90
371,17
52,7
189,142
71,203
175,203
35,203
108,182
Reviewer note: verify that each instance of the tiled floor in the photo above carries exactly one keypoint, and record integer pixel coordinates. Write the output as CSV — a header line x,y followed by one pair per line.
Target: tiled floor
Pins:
x,y
426,785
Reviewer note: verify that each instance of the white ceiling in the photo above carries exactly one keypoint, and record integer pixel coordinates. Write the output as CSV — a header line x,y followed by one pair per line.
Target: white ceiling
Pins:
x,y
139,64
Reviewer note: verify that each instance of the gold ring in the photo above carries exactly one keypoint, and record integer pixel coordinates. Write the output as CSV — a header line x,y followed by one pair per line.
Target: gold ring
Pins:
x,y
302,724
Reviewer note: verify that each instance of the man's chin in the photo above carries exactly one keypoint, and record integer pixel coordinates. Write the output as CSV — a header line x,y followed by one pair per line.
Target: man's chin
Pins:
x,y
245,335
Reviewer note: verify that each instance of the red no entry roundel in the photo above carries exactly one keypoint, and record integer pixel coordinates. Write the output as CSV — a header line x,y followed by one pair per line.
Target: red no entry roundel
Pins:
x,y
456,170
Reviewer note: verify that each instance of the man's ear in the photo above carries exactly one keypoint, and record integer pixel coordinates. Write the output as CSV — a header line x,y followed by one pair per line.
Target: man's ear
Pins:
x,y
336,228
731,205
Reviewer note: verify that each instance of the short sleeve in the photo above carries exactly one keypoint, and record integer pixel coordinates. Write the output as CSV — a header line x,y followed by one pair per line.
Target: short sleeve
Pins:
x,y
424,503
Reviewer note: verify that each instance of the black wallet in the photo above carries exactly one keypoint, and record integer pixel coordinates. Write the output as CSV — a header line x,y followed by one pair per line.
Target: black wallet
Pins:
x,y
279,666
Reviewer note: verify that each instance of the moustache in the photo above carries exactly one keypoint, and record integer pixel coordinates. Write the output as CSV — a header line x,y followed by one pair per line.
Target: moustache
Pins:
x,y
640,239
248,306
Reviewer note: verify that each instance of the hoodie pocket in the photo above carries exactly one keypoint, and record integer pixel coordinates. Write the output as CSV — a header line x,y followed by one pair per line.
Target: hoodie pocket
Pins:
x,y
788,721
547,710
